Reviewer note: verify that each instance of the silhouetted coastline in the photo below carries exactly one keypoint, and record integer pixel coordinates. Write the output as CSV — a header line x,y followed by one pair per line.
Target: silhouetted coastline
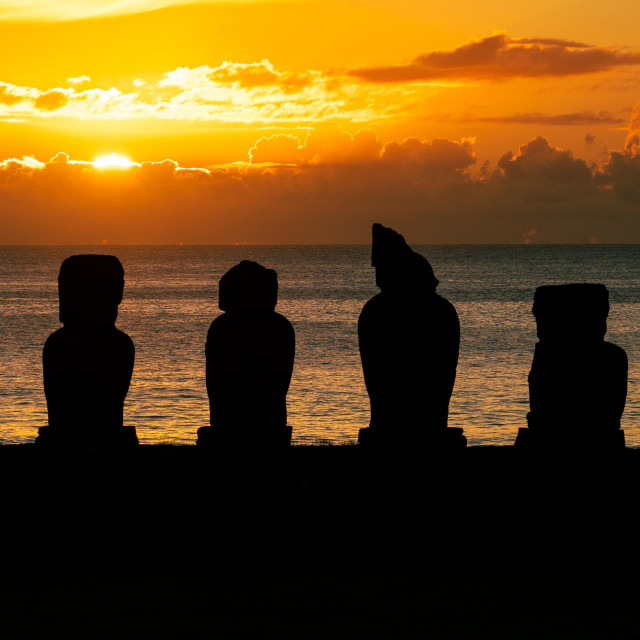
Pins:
x,y
318,541
319,504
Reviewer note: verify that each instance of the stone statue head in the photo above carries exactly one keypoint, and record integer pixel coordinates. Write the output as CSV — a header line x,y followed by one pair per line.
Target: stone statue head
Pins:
x,y
248,288
90,288
398,267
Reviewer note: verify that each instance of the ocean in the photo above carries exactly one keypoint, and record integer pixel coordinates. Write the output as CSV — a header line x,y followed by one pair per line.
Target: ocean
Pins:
x,y
171,298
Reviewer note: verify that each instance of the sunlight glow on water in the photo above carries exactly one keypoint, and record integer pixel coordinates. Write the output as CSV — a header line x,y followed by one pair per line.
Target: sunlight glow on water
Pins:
x,y
171,298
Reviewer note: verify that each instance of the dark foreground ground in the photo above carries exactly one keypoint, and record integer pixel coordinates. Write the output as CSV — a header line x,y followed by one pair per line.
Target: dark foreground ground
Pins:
x,y
319,541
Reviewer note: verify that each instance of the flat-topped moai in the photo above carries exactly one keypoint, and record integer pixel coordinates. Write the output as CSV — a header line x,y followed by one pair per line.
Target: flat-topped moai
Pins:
x,y
409,341
250,351
578,381
87,364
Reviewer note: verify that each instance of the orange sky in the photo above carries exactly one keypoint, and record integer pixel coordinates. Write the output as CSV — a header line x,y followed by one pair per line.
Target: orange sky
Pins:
x,y
303,121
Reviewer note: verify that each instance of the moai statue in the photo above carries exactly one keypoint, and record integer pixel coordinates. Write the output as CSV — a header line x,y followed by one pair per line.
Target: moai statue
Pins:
x,y
578,381
409,339
250,351
87,364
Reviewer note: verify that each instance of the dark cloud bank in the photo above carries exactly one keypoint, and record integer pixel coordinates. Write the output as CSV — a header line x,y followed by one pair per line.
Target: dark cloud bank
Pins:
x,y
328,189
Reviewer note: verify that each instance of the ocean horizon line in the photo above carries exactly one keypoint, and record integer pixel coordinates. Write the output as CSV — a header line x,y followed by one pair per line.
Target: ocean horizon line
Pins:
x,y
332,244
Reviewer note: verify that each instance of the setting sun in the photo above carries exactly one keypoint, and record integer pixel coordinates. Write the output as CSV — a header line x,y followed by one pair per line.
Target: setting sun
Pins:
x,y
113,161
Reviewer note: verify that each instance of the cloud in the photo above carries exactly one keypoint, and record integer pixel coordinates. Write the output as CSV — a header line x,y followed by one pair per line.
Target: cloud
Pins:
x,y
327,144
229,93
500,57
186,77
25,163
258,92
329,184
581,118
78,79
255,93
327,188
528,236
252,75
541,172
260,74
621,172
51,100
279,149
10,94
6,97
70,102
632,143
438,157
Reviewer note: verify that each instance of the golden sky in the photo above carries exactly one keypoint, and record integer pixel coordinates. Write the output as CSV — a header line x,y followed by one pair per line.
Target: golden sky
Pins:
x,y
135,121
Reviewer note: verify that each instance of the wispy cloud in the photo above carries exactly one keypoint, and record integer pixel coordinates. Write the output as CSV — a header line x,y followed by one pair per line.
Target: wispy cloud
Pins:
x,y
47,10
259,93
78,79
246,93
580,118
500,57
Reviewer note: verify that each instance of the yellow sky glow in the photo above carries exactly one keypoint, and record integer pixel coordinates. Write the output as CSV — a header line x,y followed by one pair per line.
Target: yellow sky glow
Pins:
x,y
63,10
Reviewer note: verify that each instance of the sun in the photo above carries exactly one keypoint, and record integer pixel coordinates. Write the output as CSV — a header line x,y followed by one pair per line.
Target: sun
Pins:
x,y
113,161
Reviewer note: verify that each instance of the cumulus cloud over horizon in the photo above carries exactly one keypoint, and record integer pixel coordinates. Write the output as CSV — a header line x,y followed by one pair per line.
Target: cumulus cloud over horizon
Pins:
x,y
329,187
500,57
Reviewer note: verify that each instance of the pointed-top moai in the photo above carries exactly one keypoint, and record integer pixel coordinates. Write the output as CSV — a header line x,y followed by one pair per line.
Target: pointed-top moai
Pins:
x,y
409,341
88,363
578,381
250,352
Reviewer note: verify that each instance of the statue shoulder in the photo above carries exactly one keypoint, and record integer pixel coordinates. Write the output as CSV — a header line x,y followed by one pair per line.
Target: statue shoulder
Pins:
x,y
445,307
55,339
615,352
372,306
282,322
123,340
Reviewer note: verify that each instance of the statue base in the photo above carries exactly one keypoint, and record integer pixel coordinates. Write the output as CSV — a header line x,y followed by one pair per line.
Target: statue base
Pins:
x,y
102,439
563,441
214,438
449,439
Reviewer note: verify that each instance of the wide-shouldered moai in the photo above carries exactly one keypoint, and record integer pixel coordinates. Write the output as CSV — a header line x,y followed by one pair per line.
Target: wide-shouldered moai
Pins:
x,y
409,339
250,352
88,362
578,380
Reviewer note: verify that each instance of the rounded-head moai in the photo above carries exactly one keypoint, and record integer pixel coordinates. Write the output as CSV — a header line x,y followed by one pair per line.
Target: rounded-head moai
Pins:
x,y
90,288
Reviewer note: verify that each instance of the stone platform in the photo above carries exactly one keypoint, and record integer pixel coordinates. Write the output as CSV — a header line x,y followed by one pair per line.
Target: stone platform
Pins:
x,y
320,503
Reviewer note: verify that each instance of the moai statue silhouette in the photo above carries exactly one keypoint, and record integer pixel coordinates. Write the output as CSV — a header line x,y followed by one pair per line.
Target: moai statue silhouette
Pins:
x,y
409,340
88,362
250,351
